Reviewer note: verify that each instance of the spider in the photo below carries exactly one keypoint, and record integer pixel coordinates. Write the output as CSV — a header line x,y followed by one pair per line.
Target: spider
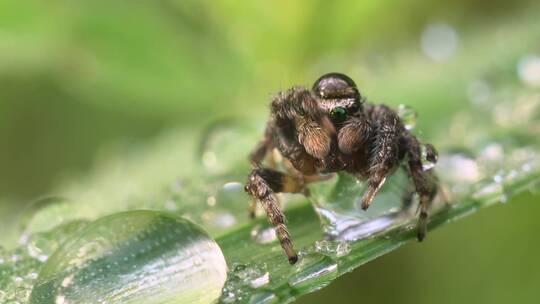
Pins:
x,y
332,128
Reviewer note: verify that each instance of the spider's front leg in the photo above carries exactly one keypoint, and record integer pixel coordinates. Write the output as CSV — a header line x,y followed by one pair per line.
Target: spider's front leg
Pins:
x,y
384,156
263,185
294,129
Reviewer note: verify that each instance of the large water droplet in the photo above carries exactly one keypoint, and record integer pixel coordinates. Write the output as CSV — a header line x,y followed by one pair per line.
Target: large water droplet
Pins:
x,y
408,116
53,211
337,206
313,272
42,244
134,257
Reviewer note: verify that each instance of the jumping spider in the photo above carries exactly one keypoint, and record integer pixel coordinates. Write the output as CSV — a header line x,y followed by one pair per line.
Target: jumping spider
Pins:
x,y
330,129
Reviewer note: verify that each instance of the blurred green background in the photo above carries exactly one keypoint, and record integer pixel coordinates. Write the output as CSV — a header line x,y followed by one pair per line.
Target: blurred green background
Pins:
x,y
78,77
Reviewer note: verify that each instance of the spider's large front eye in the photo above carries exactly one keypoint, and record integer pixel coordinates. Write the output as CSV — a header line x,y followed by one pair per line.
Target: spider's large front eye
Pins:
x,y
338,113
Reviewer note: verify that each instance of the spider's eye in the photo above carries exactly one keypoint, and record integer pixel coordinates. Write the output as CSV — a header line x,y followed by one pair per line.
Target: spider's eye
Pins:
x,y
338,113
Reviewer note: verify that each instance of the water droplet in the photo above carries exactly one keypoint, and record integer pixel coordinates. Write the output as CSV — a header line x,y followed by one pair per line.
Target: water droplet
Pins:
x,y
342,249
104,263
253,276
332,248
53,212
263,235
348,228
313,272
242,280
408,116
342,219
260,281
233,186
42,244
529,70
439,41
428,157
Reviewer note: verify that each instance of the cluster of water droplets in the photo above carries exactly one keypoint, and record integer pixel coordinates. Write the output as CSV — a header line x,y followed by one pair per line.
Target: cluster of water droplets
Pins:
x,y
19,268
246,283
508,179
18,272
492,171
317,267
331,248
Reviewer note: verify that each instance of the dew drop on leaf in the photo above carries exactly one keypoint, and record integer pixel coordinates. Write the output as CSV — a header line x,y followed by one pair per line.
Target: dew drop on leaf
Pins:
x,y
428,158
134,257
332,248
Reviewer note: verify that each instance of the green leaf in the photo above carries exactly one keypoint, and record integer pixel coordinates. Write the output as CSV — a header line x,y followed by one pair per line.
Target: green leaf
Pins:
x,y
489,154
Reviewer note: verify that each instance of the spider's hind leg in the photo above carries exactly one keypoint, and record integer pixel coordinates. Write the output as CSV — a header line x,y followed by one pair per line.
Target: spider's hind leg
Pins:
x,y
425,182
263,185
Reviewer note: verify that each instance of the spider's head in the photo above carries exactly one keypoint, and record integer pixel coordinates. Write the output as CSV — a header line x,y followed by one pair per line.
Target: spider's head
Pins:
x,y
338,94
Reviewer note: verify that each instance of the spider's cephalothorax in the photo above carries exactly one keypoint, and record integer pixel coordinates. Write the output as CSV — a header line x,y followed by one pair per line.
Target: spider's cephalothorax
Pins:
x,y
329,129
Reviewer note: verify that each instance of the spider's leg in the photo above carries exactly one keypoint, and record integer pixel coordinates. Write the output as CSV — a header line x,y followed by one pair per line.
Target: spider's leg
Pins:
x,y
263,148
425,183
263,185
384,156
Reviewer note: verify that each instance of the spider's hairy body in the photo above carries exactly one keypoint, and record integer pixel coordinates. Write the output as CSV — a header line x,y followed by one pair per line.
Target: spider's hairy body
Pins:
x,y
331,129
